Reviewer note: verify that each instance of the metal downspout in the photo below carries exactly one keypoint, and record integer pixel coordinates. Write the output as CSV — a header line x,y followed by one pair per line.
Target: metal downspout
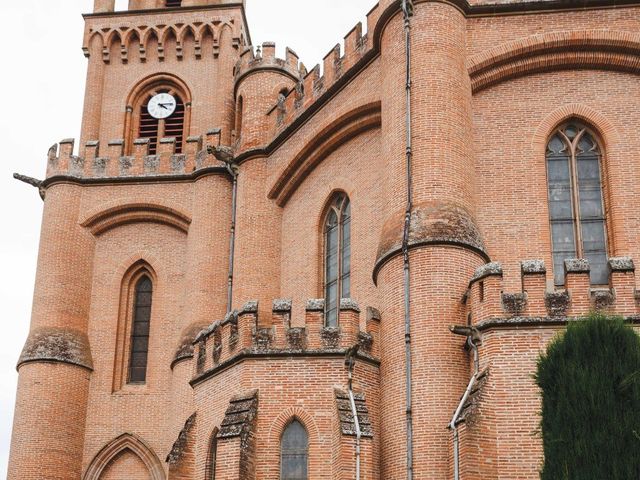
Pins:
x,y
354,411
473,337
407,9
233,171
227,156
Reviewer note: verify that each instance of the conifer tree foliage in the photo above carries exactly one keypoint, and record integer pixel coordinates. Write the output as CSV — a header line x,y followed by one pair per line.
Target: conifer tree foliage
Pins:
x,y
590,382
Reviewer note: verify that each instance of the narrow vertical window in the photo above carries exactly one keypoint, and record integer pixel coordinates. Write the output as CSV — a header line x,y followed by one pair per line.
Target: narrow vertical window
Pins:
x,y
210,468
294,452
576,208
239,113
337,257
140,330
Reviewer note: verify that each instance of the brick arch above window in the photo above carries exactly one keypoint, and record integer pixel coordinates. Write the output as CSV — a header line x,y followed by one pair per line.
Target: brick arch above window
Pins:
x,y
285,418
125,442
605,129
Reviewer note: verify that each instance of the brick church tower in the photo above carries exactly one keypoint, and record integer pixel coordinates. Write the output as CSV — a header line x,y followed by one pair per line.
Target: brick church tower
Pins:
x,y
250,270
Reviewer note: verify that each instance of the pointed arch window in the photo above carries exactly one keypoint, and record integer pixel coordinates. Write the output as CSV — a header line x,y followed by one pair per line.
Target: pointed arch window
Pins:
x,y
294,452
140,330
337,256
210,468
576,204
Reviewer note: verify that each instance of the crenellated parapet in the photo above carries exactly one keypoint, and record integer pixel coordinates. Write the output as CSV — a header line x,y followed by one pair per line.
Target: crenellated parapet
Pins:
x,y
310,85
243,334
264,58
487,303
320,80
104,162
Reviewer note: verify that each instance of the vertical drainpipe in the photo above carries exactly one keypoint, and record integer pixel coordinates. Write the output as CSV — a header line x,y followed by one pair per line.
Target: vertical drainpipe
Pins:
x,y
351,362
473,340
407,9
227,155
233,171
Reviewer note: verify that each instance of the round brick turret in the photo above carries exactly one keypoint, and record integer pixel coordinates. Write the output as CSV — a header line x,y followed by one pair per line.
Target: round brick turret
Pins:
x,y
56,364
445,244
260,78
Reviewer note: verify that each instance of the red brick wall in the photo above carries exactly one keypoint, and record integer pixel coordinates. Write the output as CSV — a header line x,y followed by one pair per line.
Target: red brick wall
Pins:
x,y
488,90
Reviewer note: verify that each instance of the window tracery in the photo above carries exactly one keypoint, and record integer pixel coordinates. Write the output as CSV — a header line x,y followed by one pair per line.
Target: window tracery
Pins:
x,y
576,205
337,256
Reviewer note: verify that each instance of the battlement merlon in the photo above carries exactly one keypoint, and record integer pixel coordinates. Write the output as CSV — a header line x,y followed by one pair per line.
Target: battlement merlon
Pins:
x,y
263,58
486,300
242,333
109,6
103,162
314,83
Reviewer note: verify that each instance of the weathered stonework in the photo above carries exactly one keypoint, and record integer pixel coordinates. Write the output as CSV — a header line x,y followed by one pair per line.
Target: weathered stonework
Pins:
x,y
557,303
57,345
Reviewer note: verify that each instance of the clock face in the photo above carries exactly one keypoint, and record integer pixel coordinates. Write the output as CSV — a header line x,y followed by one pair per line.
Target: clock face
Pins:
x,y
162,105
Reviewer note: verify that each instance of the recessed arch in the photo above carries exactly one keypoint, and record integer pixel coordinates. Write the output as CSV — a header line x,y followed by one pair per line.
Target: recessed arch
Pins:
x,y
124,442
119,215
596,49
328,140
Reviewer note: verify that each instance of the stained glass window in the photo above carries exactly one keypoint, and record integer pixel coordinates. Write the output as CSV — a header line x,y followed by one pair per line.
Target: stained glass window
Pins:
x,y
140,330
294,452
337,257
576,208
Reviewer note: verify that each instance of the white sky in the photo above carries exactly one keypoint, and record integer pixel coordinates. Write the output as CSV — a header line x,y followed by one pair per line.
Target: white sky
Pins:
x,y
42,88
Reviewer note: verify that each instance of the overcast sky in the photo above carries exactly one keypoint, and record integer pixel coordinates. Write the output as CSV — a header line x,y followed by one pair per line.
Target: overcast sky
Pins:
x,y
41,87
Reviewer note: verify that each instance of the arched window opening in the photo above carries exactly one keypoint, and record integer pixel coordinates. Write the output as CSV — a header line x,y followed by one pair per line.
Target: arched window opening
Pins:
x,y
337,257
173,3
210,468
576,205
154,126
294,452
140,330
239,113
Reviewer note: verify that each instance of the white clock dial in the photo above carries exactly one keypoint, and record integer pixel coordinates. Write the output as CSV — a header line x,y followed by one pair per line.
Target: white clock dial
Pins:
x,y
162,105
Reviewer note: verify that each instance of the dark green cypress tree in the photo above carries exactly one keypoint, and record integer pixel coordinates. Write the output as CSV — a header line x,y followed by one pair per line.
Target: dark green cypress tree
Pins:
x,y
590,382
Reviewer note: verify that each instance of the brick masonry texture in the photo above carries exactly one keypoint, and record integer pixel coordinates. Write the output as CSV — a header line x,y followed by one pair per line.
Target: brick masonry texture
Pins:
x,y
490,84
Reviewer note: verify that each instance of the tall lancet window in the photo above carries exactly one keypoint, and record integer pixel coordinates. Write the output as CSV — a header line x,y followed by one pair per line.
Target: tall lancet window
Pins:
x,y
337,256
140,330
294,452
576,205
